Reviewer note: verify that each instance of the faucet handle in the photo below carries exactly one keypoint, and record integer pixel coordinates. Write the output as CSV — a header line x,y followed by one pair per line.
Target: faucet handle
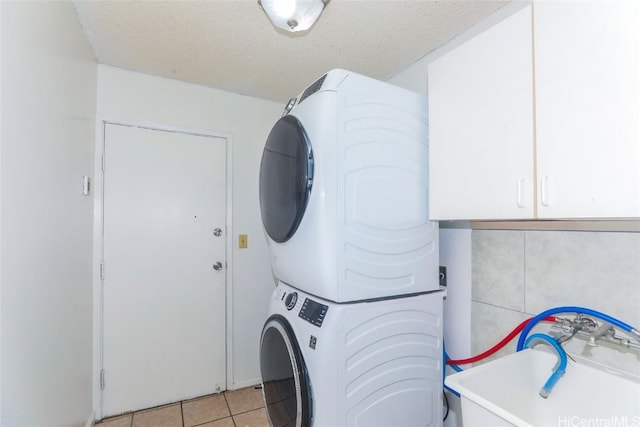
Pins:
x,y
603,330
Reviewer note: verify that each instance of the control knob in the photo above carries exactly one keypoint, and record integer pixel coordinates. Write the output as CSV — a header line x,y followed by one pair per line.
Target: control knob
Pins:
x,y
291,300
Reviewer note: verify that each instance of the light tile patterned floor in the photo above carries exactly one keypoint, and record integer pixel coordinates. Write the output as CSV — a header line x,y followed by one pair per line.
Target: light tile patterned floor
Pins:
x,y
237,408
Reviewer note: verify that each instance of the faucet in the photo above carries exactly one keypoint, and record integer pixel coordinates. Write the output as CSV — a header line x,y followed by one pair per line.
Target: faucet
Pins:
x,y
560,366
583,326
604,329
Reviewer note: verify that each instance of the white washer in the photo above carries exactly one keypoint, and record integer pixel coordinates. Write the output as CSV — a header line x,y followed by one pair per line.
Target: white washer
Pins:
x,y
344,191
368,364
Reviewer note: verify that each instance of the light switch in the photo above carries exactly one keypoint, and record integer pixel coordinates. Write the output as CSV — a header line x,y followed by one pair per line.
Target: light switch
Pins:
x,y
243,241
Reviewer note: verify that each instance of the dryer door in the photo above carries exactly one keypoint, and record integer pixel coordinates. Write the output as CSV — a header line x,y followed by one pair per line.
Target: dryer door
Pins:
x,y
285,383
286,175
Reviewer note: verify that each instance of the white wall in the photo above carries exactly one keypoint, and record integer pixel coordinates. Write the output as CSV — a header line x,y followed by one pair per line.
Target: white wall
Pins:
x,y
48,110
137,98
414,77
1,215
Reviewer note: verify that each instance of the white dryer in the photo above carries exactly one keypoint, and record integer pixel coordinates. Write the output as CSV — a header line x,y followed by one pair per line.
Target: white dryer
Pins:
x,y
344,191
367,364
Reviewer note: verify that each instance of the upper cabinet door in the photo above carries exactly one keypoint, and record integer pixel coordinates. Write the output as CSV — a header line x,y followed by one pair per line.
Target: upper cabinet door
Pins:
x,y
481,125
587,108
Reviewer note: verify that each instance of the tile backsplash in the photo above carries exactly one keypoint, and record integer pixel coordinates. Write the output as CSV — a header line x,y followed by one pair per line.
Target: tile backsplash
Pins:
x,y
517,274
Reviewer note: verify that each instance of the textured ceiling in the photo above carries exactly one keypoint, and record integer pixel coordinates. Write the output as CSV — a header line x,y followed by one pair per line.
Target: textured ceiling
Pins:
x,y
231,45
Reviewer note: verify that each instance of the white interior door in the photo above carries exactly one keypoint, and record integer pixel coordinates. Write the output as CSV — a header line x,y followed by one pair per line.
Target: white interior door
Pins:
x,y
163,301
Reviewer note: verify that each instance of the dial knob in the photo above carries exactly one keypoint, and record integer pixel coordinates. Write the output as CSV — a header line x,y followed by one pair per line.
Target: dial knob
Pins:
x,y
290,301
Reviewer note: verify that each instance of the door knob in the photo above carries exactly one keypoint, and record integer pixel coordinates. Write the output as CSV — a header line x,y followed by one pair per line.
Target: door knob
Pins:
x,y
217,266
217,232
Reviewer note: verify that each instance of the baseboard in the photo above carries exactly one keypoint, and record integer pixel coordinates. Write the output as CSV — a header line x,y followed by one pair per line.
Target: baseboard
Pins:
x,y
246,383
92,420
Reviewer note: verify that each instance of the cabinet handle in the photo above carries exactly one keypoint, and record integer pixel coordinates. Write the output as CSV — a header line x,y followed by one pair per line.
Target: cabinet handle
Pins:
x,y
520,196
544,191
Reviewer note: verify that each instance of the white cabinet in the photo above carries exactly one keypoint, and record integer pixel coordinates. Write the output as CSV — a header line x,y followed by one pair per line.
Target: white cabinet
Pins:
x,y
586,104
538,116
481,125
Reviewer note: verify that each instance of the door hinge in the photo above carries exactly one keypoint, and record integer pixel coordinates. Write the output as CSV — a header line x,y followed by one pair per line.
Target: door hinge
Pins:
x,y
102,271
103,161
102,379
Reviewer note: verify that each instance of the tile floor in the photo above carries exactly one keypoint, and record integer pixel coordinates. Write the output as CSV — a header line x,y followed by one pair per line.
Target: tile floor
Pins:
x,y
237,408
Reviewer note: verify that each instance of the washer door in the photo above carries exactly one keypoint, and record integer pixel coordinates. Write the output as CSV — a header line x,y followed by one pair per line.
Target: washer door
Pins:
x,y
285,383
286,175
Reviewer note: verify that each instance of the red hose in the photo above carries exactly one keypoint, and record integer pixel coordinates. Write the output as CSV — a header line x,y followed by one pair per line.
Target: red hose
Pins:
x,y
498,346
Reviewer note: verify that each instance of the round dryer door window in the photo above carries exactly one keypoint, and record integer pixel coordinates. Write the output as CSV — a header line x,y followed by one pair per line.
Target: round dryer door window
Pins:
x,y
285,382
286,175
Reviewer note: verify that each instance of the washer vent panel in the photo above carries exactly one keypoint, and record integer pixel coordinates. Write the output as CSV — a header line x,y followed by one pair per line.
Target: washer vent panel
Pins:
x,y
312,89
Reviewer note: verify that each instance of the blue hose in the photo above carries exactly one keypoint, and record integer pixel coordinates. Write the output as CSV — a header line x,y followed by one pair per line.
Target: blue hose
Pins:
x,y
570,309
558,369
452,391
457,368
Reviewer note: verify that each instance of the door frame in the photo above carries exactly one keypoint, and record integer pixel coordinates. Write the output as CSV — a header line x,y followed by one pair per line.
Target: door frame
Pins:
x,y
98,245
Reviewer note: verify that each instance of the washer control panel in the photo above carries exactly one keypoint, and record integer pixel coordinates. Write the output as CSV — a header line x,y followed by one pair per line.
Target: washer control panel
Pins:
x,y
313,312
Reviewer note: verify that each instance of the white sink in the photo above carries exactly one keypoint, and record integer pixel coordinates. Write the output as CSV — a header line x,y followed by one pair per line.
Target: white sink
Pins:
x,y
504,392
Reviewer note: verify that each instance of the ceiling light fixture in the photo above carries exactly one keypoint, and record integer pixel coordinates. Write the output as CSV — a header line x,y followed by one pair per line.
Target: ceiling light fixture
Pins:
x,y
293,15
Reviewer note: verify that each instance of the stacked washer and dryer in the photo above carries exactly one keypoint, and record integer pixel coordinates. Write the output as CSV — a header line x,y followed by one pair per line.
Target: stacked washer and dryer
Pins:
x,y
354,333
